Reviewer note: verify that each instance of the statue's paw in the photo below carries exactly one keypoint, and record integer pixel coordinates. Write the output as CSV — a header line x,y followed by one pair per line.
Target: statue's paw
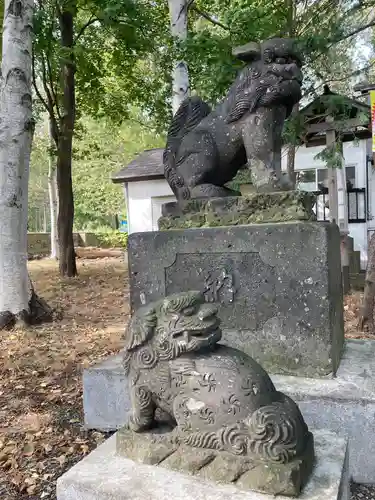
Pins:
x,y
135,425
285,182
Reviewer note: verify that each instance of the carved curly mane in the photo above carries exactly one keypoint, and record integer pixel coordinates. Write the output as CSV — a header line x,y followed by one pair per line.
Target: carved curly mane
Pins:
x,y
145,323
241,99
140,330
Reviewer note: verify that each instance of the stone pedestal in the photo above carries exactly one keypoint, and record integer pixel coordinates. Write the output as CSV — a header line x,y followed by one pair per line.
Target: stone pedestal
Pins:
x,y
243,471
344,404
278,287
105,475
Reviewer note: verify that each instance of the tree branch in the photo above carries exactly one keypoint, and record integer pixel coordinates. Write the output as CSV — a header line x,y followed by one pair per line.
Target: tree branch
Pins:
x,y
346,77
91,21
51,101
356,31
187,6
40,97
46,105
53,92
210,18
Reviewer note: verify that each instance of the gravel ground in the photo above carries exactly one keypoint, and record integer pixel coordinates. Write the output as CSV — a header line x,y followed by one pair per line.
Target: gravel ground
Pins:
x,y
361,492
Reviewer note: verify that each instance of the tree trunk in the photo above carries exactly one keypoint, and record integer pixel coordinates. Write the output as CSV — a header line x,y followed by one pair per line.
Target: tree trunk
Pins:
x,y
67,258
16,134
291,152
366,319
290,164
53,199
65,219
178,13
44,218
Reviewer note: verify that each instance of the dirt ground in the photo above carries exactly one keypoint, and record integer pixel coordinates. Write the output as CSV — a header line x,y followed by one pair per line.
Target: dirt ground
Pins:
x,y
41,433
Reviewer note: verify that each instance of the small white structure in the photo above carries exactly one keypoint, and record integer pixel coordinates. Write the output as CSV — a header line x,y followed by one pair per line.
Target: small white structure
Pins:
x,y
146,189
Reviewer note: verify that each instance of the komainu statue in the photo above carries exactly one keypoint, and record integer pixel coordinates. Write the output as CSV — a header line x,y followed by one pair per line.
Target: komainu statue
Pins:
x,y
216,397
205,149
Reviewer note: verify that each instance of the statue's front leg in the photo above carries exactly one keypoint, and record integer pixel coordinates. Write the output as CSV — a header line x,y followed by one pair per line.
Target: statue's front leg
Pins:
x,y
143,409
262,138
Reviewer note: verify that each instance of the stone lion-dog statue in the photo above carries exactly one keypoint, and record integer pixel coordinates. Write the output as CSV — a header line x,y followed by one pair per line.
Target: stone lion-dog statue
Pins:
x,y
217,397
205,148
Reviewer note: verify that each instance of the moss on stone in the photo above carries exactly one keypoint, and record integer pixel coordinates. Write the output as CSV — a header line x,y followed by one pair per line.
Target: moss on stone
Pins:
x,y
257,208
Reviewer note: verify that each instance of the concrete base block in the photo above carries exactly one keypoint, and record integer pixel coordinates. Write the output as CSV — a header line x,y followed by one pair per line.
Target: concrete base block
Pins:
x,y
345,404
106,399
103,475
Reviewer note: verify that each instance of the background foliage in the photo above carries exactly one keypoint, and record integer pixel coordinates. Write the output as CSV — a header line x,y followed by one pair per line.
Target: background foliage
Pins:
x,y
124,52
101,148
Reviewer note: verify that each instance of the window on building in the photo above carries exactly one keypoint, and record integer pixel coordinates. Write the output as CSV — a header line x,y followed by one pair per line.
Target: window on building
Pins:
x,y
316,179
306,180
322,178
350,177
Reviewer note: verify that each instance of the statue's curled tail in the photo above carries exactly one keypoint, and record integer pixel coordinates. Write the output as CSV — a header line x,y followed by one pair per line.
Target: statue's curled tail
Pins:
x,y
189,115
273,433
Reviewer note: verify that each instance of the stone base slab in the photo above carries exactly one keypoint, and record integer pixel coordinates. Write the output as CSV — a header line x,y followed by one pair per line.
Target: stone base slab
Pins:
x,y
157,447
253,208
104,475
345,404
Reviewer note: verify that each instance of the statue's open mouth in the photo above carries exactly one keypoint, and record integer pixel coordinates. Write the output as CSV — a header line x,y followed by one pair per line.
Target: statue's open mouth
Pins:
x,y
207,332
212,329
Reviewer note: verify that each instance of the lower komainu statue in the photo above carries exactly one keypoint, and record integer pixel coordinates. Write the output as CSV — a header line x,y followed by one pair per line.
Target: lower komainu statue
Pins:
x,y
218,400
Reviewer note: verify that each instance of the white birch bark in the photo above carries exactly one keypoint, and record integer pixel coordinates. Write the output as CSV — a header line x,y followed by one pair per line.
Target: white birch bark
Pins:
x,y
180,75
53,200
16,132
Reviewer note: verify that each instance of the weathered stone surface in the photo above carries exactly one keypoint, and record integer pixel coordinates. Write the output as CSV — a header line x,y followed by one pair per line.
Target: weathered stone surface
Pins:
x,y
238,210
344,404
104,475
280,479
147,448
247,473
226,468
189,460
278,287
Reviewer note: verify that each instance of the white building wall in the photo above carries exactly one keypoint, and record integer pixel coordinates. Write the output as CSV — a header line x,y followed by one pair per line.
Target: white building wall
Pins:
x,y
355,154
144,200
371,188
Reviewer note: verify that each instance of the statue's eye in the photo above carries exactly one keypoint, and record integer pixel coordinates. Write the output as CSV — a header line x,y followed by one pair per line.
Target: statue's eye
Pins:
x,y
188,311
280,60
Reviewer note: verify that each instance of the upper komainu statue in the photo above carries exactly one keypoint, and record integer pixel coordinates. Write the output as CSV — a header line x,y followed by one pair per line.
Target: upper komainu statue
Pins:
x,y
205,149
217,397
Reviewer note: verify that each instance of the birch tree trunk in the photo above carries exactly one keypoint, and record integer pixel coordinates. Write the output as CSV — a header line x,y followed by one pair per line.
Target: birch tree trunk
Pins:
x,y
178,12
53,199
16,133
18,301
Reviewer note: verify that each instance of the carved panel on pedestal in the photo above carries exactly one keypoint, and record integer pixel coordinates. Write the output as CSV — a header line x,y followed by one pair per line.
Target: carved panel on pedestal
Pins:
x,y
240,283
